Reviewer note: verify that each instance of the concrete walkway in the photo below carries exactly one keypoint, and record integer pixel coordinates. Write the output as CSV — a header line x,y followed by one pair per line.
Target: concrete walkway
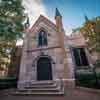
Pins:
x,y
70,94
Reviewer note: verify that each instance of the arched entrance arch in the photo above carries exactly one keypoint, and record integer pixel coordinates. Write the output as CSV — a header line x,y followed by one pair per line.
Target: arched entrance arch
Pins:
x,y
44,68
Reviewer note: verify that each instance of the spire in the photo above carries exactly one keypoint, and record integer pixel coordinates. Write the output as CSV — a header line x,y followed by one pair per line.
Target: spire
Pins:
x,y
27,24
86,18
57,13
28,20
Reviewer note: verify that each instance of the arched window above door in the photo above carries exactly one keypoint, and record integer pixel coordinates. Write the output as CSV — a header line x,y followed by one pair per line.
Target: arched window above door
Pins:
x,y
42,38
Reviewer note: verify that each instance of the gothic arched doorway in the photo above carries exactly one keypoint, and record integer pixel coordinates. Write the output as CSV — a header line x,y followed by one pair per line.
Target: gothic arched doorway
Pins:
x,y
44,70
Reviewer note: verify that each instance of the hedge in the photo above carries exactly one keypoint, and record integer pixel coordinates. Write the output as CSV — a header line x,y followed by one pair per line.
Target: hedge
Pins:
x,y
8,82
88,80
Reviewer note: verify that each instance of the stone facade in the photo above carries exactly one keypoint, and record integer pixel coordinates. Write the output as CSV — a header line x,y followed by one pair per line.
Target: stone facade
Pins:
x,y
58,51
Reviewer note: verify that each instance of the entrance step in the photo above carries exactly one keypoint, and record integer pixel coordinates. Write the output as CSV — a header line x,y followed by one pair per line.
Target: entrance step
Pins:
x,y
43,84
41,88
38,93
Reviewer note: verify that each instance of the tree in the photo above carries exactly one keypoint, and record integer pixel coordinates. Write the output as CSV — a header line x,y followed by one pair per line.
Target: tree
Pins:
x,y
91,32
11,19
11,26
97,31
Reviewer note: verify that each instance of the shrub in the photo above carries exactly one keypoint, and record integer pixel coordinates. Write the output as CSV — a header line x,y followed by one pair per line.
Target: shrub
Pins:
x,y
97,64
8,82
98,75
86,80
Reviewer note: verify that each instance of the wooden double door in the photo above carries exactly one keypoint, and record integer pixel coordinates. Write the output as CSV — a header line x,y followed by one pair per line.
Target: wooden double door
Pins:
x,y
44,69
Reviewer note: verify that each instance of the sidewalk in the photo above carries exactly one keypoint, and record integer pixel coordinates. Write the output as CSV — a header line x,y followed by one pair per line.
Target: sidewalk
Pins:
x,y
70,94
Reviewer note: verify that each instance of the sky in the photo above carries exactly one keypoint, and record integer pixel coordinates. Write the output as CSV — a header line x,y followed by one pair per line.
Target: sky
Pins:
x,y
72,11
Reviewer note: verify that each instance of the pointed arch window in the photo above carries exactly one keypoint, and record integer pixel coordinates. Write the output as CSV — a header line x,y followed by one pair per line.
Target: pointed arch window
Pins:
x,y
42,38
80,57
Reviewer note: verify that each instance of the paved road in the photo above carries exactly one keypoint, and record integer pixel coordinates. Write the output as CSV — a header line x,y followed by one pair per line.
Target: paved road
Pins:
x,y
70,94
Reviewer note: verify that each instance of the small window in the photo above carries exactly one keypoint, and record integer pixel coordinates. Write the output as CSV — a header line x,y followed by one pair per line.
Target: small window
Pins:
x,y
42,38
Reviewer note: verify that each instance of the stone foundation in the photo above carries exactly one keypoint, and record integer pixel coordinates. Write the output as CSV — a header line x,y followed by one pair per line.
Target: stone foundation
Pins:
x,y
70,83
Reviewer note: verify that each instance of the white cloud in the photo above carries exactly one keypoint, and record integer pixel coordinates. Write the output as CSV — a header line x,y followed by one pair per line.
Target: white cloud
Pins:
x,y
68,31
34,8
19,42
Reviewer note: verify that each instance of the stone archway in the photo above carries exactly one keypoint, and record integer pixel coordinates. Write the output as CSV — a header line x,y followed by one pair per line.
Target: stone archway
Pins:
x,y
44,69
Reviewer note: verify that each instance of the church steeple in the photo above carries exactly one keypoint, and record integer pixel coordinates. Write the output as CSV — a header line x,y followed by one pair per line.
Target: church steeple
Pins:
x,y
86,18
57,13
58,19
27,24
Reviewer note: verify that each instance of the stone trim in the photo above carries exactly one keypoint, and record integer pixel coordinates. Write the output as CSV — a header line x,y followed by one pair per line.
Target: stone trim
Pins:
x,y
43,48
69,83
52,64
67,79
45,20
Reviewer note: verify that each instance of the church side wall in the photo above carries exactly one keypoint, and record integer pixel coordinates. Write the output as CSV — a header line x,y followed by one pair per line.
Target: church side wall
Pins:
x,y
70,73
22,69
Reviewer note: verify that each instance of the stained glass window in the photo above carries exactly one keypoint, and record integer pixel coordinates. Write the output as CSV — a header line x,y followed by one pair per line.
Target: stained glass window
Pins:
x,y
42,38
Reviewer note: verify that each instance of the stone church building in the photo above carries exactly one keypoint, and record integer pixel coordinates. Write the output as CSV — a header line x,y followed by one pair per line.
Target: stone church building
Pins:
x,y
49,57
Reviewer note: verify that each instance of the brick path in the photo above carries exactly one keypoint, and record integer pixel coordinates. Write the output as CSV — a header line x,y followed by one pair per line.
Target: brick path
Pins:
x,y
70,94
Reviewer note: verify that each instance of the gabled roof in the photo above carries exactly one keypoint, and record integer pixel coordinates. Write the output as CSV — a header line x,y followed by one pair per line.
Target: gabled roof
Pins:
x,y
45,20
